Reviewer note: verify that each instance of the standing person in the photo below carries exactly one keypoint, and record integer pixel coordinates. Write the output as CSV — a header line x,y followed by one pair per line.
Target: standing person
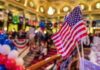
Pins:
x,y
91,38
14,33
48,40
24,34
31,48
86,42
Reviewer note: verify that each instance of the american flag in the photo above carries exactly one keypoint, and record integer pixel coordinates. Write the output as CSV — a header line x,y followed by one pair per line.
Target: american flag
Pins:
x,y
71,31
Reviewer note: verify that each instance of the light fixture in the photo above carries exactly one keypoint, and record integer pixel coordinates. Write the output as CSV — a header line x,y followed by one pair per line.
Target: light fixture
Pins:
x,y
25,4
51,11
98,5
31,4
5,28
41,9
82,6
65,9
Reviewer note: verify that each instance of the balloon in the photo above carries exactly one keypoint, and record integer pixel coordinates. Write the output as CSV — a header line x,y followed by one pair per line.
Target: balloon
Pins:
x,y
3,59
2,67
19,61
1,39
13,54
19,67
5,49
10,64
13,48
0,45
4,36
8,42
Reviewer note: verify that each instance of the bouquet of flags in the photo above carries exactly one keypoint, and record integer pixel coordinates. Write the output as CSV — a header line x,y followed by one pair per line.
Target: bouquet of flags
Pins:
x,y
41,29
73,29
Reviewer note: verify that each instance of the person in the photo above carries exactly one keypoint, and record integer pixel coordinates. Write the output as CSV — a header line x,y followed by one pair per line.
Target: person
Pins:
x,y
24,34
91,37
31,48
20,34
48,40
43,49
94,55
86,42
14,33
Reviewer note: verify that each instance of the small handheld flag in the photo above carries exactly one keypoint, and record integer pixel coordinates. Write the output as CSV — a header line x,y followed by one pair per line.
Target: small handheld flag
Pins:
x,y
41,27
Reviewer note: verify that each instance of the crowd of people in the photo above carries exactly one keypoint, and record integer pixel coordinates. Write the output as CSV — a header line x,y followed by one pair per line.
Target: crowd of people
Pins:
x,y
39,43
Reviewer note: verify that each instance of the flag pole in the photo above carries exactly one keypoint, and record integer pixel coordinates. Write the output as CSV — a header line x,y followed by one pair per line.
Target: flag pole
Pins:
x,y
82,48
78,50
82,51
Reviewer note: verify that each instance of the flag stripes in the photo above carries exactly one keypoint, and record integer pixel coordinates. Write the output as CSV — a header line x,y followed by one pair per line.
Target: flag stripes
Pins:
x,y
66,38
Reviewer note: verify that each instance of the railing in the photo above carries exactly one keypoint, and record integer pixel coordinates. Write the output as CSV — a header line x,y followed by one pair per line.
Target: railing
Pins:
x,y
41,63
52,58
23,51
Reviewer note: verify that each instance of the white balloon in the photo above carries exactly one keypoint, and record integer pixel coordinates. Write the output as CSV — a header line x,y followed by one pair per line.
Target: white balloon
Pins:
x,y
0,45
5,49
13,54
19,61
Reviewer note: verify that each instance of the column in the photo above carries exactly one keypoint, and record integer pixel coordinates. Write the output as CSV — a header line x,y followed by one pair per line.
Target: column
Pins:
x,y
5,17
90,25
24,13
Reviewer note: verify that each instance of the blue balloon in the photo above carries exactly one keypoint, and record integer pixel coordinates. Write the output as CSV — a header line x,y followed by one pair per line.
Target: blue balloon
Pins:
x,y
2,67
11,47
8,42
1,39
5,36
14,48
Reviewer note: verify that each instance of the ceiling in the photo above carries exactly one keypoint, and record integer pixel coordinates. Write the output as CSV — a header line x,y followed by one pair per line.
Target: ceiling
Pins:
x,y
35,6
58,5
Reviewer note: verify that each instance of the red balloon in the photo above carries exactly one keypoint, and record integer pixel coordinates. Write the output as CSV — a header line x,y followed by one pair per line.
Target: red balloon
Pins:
x,y
10,64
3,59
19,67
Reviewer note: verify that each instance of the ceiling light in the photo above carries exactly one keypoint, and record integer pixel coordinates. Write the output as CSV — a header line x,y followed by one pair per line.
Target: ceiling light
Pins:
x,y
41,9
98,5
50,11
31,4
65,9
82,6
25,4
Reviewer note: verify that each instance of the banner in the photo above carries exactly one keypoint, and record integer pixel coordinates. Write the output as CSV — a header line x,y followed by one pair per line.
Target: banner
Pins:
x,y
21,43
87,65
